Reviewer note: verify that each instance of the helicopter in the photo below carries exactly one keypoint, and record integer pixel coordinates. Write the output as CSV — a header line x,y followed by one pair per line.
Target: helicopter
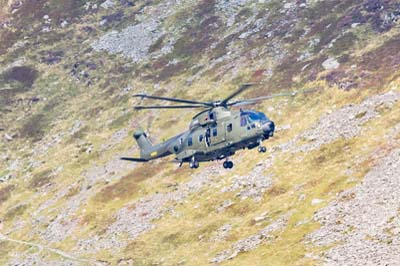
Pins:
x,y
216,133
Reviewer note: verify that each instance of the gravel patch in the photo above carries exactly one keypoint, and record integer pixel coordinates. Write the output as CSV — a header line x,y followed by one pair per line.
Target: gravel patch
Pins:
x,y
133,42
56,229
252,241
222,233
137,217
37,259
225,205
229,9
115,139
346,123
364,221
253,185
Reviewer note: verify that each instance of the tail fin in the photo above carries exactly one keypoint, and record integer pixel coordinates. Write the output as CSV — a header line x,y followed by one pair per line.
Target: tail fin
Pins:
x,y
142,140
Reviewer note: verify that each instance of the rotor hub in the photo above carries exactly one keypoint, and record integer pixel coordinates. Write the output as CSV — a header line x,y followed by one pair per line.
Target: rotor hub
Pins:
x,y
218,104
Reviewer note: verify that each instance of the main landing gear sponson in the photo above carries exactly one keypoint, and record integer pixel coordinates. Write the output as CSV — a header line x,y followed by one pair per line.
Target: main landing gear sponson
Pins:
x,y
228,164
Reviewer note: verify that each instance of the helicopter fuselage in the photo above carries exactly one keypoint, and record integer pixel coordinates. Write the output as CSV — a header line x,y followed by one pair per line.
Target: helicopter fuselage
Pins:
x,y
213,135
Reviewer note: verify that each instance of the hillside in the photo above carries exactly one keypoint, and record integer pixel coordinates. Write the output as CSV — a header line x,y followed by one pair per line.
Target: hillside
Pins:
x,y
325,193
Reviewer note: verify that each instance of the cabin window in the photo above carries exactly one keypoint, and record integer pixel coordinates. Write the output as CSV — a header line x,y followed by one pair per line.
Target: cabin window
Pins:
x,y
229,127
190,141
201,138
243,121
215,132
212,116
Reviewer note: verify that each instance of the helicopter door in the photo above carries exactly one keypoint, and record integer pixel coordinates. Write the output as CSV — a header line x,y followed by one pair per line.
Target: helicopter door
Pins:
x,y
244,125
207,137
217,133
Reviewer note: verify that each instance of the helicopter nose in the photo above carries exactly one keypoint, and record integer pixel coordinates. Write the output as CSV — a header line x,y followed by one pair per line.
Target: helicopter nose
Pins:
x,y
269,128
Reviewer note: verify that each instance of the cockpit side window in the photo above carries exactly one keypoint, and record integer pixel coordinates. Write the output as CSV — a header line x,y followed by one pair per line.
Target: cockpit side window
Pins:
x,y
243,121
252,116
190,141
229,127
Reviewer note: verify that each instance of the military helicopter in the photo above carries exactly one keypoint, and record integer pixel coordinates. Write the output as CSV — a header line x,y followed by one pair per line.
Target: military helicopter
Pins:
x,y
215,133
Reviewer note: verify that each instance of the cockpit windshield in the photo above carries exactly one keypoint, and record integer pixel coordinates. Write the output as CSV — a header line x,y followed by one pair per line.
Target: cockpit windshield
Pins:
x,y
254,116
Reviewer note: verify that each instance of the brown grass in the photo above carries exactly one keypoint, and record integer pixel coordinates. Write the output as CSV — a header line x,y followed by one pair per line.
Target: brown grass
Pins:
x,y
5,249
276,191
127,185
19,79
15,211
40,179
7,39
5,193
34,128
379,64
24,74
241,208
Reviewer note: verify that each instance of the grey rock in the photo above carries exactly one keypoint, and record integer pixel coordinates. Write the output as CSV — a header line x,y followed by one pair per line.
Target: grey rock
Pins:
x,y
229,9
330,64
64,24
8,137
302,197
316,201
107,4
261,217
76,127
283,127
226,204
222,233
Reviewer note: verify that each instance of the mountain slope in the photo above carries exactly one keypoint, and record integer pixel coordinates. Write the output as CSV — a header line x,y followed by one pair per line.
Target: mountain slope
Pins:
x,y
68,70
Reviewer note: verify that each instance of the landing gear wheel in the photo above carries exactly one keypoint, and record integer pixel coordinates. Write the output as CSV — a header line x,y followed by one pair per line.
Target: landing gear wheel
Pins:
x,y
262,149
194,164
228,164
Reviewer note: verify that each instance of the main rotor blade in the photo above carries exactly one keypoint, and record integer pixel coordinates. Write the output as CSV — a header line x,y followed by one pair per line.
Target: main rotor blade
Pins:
x,y
237,92
168,107
171,99
263,98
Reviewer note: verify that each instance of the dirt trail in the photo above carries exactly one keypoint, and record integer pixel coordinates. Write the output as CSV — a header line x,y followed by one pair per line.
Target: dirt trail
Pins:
x,y
52,250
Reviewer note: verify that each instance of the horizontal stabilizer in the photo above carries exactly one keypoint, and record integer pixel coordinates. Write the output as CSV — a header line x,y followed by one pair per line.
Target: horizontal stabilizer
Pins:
x,y
134,159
